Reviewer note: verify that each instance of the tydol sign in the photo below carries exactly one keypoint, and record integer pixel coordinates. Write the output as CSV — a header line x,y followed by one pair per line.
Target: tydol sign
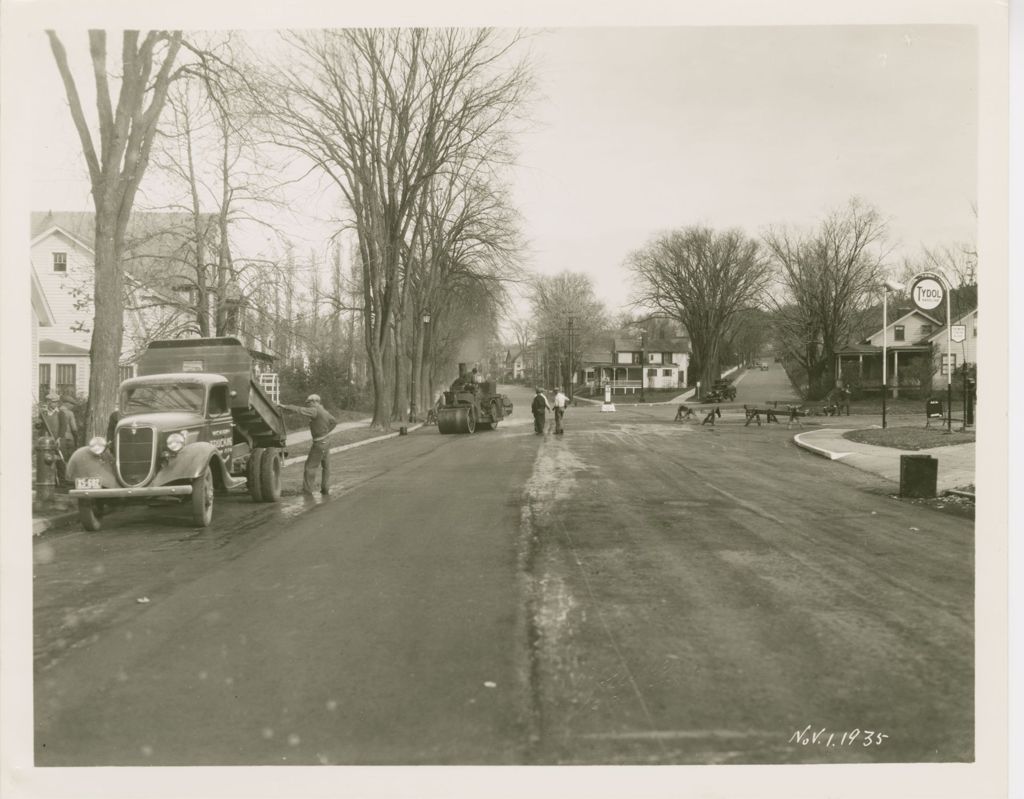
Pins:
x,y
927,293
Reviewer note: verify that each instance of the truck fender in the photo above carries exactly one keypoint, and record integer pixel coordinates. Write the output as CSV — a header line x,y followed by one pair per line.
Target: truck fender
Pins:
x,y
84,463
190,463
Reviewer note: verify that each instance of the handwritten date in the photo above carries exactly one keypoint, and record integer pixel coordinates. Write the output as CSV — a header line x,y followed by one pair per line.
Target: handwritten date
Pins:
x,y
809,736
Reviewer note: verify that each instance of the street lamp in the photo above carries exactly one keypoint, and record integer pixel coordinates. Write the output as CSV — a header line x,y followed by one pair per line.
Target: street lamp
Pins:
x,y
418,388
643,364
888,285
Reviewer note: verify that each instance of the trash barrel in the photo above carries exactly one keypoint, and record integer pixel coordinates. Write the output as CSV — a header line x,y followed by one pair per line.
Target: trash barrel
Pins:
x,y
918,476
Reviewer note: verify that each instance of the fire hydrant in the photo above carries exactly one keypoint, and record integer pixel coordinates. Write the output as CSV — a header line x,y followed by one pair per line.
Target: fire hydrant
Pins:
x,y
46,468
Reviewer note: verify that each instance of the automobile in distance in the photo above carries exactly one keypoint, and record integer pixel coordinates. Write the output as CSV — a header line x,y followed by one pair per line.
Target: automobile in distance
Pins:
x,y
193,424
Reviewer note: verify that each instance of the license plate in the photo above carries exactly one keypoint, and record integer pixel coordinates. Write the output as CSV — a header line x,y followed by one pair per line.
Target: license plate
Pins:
x,y
87,482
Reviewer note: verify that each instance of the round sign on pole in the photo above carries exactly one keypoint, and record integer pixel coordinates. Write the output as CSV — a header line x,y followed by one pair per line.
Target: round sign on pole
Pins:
x,y
927,293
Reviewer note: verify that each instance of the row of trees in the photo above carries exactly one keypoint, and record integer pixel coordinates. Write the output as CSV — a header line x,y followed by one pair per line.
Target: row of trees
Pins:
x,y
803,293
809,292
414,129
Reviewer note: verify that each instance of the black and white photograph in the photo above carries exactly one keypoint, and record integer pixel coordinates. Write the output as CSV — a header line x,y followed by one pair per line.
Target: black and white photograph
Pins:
x,y
585,401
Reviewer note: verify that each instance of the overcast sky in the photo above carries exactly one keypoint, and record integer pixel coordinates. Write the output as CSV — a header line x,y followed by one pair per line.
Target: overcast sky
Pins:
x,y
640,130
637,130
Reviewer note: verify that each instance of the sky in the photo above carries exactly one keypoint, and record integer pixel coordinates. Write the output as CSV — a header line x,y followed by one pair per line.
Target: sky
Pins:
x,y
634,131
644,130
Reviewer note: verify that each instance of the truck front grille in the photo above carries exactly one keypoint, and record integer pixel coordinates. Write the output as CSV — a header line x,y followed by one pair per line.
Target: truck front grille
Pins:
x,y
136,451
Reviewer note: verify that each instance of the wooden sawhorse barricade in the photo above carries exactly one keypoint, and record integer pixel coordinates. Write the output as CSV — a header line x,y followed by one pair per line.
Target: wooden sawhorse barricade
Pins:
x,y
754,414
684,413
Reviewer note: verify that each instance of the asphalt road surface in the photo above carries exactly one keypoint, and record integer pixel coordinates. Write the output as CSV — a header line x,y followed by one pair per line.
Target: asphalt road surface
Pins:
x,y
636,591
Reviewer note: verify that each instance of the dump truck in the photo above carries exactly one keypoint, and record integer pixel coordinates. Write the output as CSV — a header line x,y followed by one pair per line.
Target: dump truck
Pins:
x,y
470,404
194,423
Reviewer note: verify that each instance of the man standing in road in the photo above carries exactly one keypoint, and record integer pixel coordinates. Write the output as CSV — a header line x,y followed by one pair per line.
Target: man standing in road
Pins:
x,y
321,423
540,407
561,403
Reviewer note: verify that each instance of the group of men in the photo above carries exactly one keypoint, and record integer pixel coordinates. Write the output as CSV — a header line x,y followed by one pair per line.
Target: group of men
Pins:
x,y
540,406
58,422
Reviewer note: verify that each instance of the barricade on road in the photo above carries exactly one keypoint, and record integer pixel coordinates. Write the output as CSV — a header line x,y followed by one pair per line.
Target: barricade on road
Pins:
x,y
711,416
754,415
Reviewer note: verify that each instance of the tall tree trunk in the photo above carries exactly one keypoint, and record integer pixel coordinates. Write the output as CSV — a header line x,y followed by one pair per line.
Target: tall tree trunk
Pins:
x,y
108,327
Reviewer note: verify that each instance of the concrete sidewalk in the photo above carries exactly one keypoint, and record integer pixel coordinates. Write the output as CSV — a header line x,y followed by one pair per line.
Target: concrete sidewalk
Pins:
x,y
956,462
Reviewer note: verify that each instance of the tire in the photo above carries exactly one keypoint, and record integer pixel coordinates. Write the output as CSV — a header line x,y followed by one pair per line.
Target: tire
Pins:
x,y
202,498
252,474
270,475
89,514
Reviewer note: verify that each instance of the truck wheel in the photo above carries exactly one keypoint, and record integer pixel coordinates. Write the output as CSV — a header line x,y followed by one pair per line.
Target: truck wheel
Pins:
x,y
89,514
270,475
252,475
202,498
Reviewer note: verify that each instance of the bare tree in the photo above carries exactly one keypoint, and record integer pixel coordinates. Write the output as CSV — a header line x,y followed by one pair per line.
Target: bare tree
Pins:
x,y
705,280
565,309
211,154
828,277
381,112
126,132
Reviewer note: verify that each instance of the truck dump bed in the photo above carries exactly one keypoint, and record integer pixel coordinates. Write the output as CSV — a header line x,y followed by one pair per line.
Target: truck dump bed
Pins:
x,y
251,409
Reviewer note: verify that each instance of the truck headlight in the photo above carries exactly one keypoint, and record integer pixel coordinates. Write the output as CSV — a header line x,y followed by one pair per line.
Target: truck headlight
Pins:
x,y
175,441
97,444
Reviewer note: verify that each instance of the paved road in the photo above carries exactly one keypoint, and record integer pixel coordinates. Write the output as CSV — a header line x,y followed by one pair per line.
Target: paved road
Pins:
x,y
636,591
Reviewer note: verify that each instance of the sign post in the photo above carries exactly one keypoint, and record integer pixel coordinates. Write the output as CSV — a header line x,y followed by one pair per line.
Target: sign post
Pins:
x,y
927,291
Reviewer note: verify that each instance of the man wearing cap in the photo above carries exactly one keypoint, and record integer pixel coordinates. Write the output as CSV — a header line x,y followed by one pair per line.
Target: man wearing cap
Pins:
x,y
58,423
321,423
540,407
561,402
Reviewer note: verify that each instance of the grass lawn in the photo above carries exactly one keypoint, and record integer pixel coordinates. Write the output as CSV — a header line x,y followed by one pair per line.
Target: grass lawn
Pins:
x,y
910,438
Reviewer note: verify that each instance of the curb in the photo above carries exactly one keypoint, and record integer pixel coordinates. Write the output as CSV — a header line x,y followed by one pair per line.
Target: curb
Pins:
x,y
825,453
40,526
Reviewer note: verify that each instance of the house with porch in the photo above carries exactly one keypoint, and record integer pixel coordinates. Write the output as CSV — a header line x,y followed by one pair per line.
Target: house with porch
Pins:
x,y
626,365
908,346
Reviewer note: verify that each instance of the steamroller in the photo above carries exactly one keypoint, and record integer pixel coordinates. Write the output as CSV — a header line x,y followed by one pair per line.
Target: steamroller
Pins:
x,y
471,405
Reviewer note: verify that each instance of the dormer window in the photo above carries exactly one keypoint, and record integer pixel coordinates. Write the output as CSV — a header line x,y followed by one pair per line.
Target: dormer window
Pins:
x,y
60,262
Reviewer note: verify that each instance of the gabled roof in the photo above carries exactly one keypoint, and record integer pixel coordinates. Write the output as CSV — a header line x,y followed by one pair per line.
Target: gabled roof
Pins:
x,y
51,348
896,320
64,232
962,320
40,304
678,344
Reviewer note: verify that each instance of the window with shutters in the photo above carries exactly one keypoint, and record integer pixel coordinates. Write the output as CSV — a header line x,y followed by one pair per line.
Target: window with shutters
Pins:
x,y
44,380
66,383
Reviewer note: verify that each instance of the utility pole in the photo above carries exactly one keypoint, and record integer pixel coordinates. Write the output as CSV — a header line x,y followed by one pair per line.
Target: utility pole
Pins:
x,y
643,364
572,373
